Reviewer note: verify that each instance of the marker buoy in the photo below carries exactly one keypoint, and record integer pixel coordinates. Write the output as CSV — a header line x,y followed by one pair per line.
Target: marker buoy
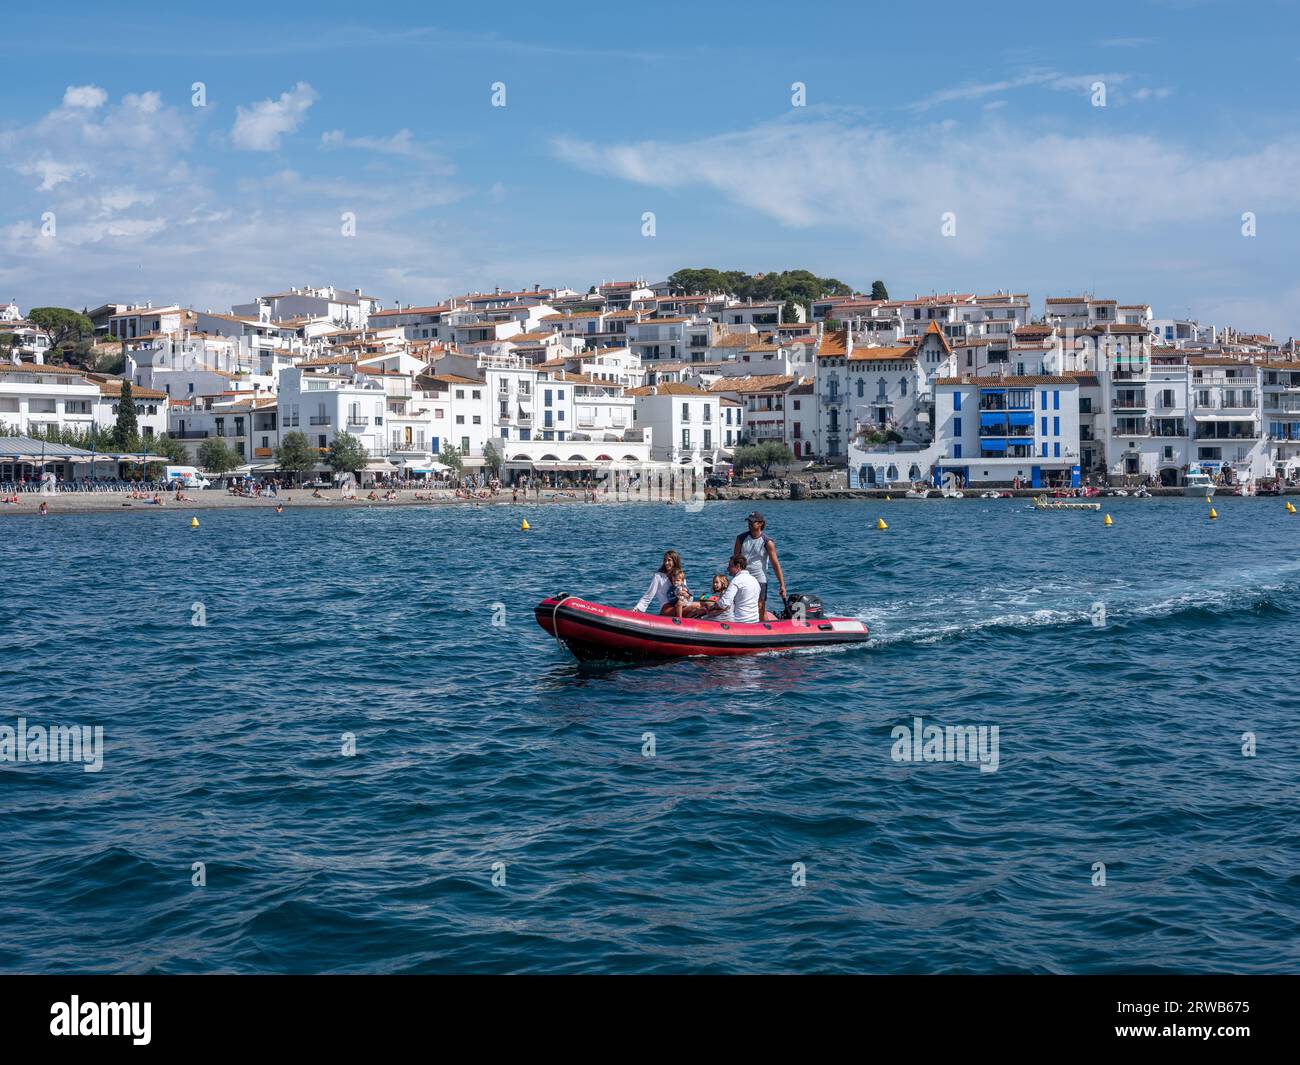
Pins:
x,y
1213,513
194,523
1290,507
880,523
1107,521
524,526
1207,499
887,499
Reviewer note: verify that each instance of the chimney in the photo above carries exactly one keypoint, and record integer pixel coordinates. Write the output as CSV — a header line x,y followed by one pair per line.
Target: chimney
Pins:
x,y
848,339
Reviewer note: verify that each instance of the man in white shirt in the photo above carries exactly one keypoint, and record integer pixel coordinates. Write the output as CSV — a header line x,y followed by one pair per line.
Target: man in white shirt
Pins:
x,y
740,601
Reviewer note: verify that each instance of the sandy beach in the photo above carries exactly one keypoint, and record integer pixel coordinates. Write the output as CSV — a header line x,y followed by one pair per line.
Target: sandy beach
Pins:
x,y
121,503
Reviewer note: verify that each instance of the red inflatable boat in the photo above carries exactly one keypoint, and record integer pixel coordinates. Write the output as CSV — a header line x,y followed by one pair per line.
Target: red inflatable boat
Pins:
x,y
592,631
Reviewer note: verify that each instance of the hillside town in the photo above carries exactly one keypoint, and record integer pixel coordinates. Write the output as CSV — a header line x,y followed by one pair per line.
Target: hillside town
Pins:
x,y
558,385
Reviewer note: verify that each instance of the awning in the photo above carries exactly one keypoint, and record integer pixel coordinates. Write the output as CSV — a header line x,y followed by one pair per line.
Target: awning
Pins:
x,y
993,445
1021,417
379,466
994,418
1223,418
992,391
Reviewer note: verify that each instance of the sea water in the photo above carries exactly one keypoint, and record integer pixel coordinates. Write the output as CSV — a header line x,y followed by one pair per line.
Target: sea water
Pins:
x,y
337,741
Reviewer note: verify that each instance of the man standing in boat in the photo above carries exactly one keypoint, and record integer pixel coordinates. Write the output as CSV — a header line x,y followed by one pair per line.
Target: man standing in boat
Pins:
x,y
757,548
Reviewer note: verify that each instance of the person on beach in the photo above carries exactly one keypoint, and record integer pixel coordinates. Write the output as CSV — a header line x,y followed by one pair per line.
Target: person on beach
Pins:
x,y
663,589
757,549
44,509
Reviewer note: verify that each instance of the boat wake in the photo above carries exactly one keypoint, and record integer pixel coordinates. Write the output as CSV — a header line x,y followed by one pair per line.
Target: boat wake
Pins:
x,y
940,619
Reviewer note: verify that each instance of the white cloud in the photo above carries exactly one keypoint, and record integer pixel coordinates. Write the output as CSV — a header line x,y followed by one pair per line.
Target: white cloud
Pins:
x,y
52,172
1044,79
401,144
88,96
1002,181
260,127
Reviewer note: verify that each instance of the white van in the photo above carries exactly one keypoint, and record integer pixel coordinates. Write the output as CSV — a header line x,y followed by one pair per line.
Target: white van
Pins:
x,y
185,477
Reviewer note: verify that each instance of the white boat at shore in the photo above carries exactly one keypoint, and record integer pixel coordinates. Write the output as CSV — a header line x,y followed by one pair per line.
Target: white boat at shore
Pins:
x,y
1198,484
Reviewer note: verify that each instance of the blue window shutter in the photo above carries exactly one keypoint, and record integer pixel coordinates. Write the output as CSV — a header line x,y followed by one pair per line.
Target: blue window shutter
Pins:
x,y
1043,451
956,427
956,401
1056,450
1056,400
956,451
1056,426
1044,432
1043,396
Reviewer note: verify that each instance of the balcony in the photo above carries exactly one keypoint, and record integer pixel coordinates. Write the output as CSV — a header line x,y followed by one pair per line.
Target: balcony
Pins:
x,y
320,419
261,452
358,420
191,434
1005,431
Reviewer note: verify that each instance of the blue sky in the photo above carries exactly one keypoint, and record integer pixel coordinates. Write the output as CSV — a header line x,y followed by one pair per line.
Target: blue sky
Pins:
x,y
683,110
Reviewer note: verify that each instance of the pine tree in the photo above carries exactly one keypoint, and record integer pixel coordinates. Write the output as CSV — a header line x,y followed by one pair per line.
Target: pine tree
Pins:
x,y
128,425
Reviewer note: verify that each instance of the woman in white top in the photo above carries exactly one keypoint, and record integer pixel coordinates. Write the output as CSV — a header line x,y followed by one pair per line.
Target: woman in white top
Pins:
x,y
663,586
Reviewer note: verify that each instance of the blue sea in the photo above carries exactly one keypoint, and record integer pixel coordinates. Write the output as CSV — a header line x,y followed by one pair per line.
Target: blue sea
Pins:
x,y
508,809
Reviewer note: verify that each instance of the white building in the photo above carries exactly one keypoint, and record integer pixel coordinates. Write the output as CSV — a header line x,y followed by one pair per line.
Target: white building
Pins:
x,y
683,423
998,429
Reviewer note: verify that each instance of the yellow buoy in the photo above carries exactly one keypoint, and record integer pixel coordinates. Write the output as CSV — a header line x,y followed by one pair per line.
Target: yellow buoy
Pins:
x,y
1290,507
1213,513
1107,520
194,523
887,499
880,523
524,525
1207,499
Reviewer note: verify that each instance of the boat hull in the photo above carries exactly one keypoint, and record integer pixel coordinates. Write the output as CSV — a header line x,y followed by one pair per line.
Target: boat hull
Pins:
x,y
593,631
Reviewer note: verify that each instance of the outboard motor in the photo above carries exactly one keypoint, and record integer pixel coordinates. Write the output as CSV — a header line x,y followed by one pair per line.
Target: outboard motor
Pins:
x,y
802,607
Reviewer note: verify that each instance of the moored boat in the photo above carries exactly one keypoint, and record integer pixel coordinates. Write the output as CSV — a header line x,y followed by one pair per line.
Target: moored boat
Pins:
x,y
594,631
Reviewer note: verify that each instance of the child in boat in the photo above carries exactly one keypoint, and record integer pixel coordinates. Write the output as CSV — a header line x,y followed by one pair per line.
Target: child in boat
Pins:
x,y
706,604
681,595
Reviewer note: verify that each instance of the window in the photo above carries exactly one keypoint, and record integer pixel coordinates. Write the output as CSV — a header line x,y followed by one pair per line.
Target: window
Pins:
x,y
1043,396
956,427
686,412
1056,450
686,437
708,439
956,451
1043,452
460,393
460,419
1056,400
1044,421
464,445
1056,426
956,401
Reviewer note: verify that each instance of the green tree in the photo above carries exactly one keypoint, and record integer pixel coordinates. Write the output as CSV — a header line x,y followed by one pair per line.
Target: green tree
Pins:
x,y
62,324
347,454
172,448
127,430
878,291
450,456
216,456
761,457
493,459
295,453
